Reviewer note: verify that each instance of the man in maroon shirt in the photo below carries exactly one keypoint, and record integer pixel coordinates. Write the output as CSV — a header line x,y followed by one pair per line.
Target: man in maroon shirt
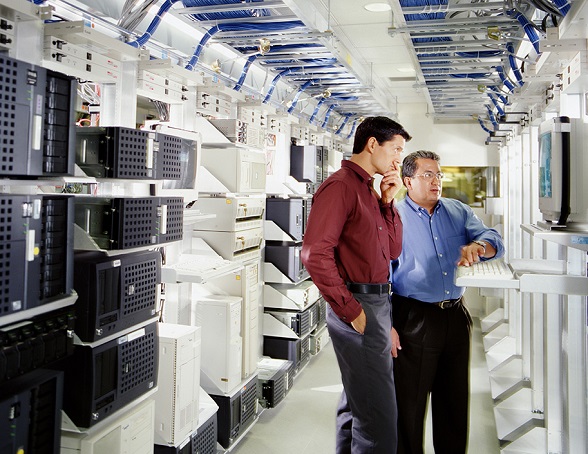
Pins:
x,y
352,235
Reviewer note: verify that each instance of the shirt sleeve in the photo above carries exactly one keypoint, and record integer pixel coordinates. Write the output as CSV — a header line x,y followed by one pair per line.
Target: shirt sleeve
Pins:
x,y
477,230
394,224
330,209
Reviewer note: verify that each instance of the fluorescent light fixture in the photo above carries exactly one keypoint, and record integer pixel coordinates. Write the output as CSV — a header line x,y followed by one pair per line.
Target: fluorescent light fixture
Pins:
x,y
377,7
405,69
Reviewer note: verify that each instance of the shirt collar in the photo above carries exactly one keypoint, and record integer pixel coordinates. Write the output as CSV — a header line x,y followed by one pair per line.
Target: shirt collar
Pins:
x,y
361,173
416,207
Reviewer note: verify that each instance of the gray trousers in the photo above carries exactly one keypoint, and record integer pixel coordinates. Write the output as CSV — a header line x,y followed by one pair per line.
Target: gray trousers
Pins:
x,y
367,414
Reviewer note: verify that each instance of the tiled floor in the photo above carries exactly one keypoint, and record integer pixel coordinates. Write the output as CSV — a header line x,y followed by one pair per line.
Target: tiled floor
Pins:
x,y
304,422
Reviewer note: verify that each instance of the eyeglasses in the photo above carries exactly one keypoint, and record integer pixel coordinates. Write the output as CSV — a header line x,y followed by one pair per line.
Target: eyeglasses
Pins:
x,y
430,175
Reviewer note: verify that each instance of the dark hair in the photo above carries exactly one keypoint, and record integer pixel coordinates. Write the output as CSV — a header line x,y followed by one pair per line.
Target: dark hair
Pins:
x,y
409,164
381,128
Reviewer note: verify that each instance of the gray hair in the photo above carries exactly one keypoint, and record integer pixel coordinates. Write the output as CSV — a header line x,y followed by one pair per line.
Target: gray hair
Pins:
x,y
409,164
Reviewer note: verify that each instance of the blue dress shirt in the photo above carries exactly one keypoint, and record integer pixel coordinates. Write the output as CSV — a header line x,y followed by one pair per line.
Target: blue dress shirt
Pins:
x,y
431,247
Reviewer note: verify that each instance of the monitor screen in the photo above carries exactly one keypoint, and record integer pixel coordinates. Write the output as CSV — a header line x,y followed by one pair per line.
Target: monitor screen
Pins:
x,y
563,189
545,175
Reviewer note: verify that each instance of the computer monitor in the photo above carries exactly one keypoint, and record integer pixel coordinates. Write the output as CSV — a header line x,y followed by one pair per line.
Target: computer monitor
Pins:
x,y
563,189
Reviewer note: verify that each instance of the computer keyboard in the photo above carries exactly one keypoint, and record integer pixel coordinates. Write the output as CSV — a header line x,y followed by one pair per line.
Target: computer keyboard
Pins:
x,y
198,268
489,273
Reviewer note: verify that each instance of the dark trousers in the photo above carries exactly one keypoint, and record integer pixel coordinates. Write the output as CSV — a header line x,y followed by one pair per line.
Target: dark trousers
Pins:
x,y
366,416
434,359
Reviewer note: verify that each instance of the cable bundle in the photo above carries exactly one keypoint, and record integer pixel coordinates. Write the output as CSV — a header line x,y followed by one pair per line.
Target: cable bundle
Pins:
x,y
227,14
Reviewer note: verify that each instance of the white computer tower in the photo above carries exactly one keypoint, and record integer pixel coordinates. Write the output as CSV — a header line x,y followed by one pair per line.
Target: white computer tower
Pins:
x,y
177,303
244,245
219,316
130,432
232,213
246,284
177,396
240,170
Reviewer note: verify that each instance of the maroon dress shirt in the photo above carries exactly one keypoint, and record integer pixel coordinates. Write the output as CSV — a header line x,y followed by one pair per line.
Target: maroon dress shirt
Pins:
x,y
350,237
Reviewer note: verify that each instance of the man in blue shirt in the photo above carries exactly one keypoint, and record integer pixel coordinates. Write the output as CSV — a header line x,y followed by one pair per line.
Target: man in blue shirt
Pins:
x,y
432,348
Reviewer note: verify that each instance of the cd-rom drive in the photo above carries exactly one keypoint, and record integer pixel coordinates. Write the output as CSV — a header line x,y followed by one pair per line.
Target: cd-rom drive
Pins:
x,y
243,245
232,213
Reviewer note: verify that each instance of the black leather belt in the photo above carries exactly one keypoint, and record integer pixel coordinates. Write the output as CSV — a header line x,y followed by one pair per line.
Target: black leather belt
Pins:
x,y
445,304
377,289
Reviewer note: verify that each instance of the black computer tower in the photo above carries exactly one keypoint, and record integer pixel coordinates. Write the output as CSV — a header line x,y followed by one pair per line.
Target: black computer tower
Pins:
x,y
30,406
295,350
275,380
22,112
288,214
39,342
104,377
36,250
37,118
114,292
303,163
236,411
205,437
130,222
286,258
126,153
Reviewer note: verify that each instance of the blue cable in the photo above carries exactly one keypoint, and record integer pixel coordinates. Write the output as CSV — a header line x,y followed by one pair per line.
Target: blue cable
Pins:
x,y
530,30
316,109
480,54
498,108
285,73
297,96
504,80
503,99
153,25
513,63
253,57
491,116
342,125
352,130
238,27
326,120
563,6
227,14
484,126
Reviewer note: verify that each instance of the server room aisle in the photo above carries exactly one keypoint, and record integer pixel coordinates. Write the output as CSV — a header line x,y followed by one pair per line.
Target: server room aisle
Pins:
x,y
304,422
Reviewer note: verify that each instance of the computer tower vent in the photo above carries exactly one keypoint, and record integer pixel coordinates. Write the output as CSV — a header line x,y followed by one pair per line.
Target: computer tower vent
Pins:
x,y
204,440
170,149
136,362
5,299
140,285
132,146
11,114
249,404
173,219
135,218
6,207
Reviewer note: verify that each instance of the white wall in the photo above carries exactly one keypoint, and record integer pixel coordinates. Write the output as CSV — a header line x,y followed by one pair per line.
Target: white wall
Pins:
x,y
458,144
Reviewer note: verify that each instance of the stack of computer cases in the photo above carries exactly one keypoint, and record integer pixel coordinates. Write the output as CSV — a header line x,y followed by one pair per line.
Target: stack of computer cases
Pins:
x,y
36,255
